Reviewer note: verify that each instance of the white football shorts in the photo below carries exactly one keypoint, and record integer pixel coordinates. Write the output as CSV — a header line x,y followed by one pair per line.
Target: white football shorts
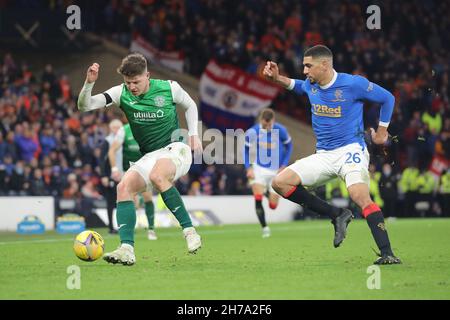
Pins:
x,y
350,163
178,152
264,177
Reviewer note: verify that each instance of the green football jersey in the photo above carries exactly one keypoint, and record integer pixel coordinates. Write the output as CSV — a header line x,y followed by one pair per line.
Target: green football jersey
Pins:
x,y
130,148
152,116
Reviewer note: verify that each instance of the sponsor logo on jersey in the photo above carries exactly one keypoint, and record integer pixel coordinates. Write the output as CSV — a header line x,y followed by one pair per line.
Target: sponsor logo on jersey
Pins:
x,y
267,145
148,115
326,111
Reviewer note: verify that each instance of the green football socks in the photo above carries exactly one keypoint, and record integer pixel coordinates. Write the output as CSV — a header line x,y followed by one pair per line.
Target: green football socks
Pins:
x,y
173,201
150,213
126,221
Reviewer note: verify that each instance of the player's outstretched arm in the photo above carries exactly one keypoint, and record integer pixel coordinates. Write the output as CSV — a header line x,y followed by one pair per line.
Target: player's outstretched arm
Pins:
x,y
85,100
272,73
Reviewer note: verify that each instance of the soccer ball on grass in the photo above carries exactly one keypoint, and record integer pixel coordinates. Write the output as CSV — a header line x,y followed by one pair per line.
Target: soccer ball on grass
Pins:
x,y
89,245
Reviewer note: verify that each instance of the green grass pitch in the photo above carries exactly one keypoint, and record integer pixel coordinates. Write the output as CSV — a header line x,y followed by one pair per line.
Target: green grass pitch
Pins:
x,y
297,262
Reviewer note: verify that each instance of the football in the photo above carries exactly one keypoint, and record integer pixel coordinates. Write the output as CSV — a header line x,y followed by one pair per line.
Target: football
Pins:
x,y
89,245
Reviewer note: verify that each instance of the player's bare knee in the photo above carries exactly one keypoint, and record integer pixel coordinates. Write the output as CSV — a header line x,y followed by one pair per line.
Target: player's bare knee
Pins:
x,y
360,197
158,180
124,190
278,185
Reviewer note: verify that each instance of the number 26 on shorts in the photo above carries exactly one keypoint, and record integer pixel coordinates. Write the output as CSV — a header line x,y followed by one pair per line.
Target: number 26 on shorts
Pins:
x,y
352,157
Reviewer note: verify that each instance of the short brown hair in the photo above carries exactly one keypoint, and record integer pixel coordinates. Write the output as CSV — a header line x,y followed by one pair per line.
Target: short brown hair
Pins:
x,y
133,65
267,114
319,51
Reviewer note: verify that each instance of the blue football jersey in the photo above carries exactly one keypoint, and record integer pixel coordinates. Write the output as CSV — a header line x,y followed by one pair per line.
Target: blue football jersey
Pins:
x,y
337,108
273,147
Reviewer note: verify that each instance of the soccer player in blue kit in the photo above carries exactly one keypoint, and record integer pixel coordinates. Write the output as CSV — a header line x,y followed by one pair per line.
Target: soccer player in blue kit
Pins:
x,y
337,120
272,148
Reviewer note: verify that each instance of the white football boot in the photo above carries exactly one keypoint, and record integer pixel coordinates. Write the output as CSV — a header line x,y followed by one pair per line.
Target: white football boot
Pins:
x,y
193,239
123,254
266,232
151,235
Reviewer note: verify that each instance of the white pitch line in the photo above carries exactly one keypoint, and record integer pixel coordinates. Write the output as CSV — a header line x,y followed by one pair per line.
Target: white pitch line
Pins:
x,y
177,233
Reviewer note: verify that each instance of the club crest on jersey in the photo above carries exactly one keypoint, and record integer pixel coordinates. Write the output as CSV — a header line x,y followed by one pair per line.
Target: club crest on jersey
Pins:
x,y
338,95
159,101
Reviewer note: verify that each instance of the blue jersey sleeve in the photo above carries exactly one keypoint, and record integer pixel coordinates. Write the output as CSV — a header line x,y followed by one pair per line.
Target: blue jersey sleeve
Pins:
x,y
247,152
286,140
299,87
250,138
366,90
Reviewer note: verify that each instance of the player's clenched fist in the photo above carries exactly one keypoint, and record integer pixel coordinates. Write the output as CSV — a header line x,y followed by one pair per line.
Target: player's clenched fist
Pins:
x,y
271,70
92,73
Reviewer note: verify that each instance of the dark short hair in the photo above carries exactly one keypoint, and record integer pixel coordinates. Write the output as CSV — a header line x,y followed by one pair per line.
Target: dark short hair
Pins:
x,y
267,114
319,51
133,65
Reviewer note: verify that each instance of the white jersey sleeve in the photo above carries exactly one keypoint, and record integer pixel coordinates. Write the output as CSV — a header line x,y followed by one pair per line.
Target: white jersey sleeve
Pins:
x,y
182,98
87,102
114,93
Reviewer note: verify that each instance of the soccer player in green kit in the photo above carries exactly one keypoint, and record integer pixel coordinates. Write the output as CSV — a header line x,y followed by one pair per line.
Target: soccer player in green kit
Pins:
x,y
125,142
149,105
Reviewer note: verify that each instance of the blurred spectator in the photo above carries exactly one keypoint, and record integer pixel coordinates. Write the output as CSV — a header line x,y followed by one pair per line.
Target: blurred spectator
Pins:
x,y
444,193
182,184
433,121
48,141
37,184
208,180
374,188
409,186
18,179
3,146
72,188
388,191
336,188
195,189
10,146
426,187
27,146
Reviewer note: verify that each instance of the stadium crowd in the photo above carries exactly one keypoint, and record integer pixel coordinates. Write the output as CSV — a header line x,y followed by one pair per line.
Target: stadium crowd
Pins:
x,y
48,148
